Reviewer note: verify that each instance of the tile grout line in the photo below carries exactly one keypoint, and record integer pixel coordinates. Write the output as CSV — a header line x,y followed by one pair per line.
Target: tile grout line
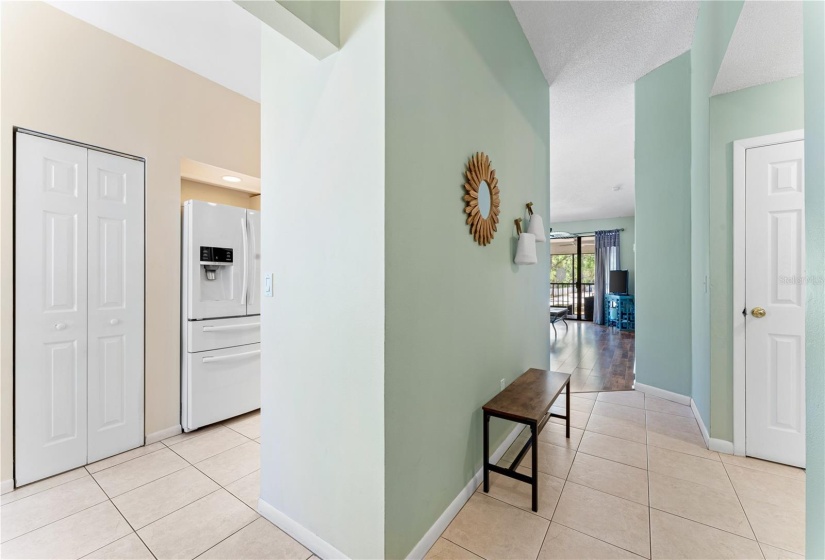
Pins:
x,y
597,538
129,523
216,454
144,484
235,532
161,448
763,471
124,462
56,520
455,543
705,524
47,489
741,505
120,539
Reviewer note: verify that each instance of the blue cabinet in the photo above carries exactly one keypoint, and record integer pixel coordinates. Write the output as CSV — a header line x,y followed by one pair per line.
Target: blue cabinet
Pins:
x,y
620,311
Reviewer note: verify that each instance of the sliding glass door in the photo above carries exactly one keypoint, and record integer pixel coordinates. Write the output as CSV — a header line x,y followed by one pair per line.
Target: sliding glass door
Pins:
x,y
572,274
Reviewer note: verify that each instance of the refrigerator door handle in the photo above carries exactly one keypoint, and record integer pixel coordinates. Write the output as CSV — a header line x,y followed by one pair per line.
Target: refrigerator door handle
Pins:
x,y
210,359
246,260
231,327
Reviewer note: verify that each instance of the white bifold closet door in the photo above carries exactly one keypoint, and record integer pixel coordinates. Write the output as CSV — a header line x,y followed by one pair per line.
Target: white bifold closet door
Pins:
x,y
115,304
78,306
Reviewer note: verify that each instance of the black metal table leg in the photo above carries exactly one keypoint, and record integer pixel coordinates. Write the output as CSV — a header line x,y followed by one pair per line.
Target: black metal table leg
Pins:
x,y
567,421
486,452
534,434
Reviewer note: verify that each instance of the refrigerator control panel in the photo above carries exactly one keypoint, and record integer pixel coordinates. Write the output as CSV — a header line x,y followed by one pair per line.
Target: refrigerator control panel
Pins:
x,y
216,255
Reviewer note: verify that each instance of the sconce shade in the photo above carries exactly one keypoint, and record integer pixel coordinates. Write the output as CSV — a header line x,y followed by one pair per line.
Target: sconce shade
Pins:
x,y
526,250
536,227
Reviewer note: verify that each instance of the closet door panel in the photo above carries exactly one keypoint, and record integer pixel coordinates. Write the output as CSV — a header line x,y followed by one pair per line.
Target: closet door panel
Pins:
x,y
50,336
116,303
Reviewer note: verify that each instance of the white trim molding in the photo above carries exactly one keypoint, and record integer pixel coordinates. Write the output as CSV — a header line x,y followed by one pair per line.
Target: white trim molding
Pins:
x,y
428,540
300,533
740,148
721,446
6,486
662,394
714,444
701,422
163,434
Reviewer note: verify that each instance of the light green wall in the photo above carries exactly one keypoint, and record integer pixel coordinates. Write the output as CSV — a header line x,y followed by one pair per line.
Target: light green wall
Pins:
x,y
751,112
714,28
814,49
324,16
663,258
626,239
461,77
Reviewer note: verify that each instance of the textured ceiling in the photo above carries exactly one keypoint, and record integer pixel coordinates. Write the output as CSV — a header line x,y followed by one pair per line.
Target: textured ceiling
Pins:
x,y
766,46
217,39
591,54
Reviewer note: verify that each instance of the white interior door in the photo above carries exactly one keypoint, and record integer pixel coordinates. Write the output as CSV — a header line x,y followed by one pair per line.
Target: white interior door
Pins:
x,y
115,379
50,316
775,271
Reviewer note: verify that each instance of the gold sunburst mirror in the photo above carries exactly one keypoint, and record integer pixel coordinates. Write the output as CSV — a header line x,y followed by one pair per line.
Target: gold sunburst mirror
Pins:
x,y
482,198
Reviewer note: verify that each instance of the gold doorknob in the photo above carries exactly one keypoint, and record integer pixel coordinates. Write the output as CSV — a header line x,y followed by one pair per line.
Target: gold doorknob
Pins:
x,y
758,312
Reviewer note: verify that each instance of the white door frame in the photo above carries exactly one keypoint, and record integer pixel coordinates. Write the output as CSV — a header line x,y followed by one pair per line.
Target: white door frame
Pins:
x,y
740,148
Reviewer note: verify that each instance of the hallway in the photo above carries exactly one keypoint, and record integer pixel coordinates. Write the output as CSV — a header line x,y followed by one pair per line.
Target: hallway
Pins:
x,y
598,358
634,480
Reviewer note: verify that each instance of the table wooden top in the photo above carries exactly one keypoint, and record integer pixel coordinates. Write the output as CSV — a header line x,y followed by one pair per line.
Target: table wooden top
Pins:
x,y
529,397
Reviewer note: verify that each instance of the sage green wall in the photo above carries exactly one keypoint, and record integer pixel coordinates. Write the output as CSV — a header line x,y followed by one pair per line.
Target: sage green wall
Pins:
x,y
626,239
663,259
814,49
751,112
461,77
324,16
714,28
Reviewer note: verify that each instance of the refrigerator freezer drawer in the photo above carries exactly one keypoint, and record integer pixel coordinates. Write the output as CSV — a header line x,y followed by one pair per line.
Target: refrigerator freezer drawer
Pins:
x,y
223,333
221,384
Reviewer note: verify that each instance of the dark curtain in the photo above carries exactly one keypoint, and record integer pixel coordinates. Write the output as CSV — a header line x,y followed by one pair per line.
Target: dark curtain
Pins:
x,y
607,259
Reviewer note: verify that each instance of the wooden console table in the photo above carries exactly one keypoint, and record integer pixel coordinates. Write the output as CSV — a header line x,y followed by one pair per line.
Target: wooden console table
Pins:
x,y
527,400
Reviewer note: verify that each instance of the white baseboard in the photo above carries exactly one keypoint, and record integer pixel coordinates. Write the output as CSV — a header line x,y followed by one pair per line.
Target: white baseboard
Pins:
x,y
714,444
6,486
721,445
662,394
429,538
702,427
163,434
313,542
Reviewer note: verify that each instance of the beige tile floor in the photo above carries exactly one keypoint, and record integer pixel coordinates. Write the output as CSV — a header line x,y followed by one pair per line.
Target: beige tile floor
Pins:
x,y
634,480
192,495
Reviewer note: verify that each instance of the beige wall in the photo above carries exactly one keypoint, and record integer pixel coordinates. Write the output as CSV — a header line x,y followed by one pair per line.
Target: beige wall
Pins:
x,y
192,190
64,77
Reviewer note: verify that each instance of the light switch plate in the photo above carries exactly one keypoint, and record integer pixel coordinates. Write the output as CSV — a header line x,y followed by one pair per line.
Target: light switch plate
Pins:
x,y
268,284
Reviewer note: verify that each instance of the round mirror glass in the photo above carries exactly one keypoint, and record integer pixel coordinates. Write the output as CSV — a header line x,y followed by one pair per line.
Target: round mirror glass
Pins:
x,y
484,199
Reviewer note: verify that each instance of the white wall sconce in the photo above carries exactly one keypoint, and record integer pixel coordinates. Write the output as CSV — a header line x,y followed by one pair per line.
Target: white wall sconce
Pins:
x,y
526,249
536,226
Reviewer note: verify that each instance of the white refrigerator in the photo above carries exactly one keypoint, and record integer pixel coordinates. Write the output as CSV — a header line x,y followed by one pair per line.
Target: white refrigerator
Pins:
x,y
221,306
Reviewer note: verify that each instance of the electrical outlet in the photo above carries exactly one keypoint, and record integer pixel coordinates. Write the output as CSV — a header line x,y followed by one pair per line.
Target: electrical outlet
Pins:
x,y
502,384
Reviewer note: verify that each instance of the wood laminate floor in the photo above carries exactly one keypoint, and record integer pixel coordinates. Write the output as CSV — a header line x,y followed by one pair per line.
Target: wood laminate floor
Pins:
x,y
598,358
